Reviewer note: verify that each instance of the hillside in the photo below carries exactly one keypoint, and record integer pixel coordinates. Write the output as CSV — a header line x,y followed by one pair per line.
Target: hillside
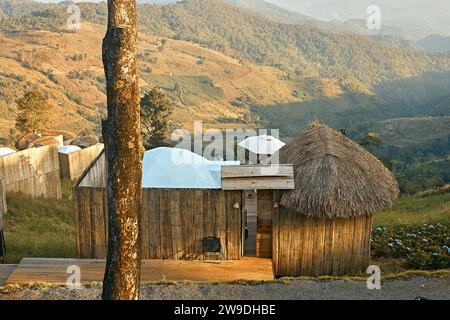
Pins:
x,y
223,64
204,83
301,50
435,43
405,133
416,18
272,11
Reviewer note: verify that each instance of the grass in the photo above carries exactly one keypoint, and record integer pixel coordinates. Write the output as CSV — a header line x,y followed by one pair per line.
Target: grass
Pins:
x,y
39,227
195,89
416,211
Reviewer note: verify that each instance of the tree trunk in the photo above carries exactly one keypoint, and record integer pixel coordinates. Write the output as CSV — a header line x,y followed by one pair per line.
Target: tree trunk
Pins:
x,y
121,134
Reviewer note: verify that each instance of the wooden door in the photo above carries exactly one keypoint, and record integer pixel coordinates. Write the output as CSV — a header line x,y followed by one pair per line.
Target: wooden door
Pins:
x,y
249,217
264,224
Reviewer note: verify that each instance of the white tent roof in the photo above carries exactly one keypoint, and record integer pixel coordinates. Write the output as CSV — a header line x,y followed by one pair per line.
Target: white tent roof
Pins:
x,y
263,144
173,168
6,151
68,149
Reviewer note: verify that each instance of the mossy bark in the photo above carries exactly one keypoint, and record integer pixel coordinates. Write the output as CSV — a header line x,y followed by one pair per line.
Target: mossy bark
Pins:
x,y
121,133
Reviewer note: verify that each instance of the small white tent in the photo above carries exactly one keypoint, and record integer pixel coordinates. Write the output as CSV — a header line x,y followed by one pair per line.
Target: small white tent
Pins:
x,y
68,149
173,168
6,151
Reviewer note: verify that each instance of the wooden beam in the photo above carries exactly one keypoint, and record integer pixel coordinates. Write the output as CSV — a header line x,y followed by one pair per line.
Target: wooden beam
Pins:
x,y
247,171
255,183
258,177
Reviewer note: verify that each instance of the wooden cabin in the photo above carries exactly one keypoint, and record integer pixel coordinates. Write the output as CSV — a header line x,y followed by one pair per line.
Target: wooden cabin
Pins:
x,y
324,225
311,216
188,223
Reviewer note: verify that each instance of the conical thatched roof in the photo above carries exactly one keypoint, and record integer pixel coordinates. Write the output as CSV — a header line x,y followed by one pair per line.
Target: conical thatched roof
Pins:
x,y
335,177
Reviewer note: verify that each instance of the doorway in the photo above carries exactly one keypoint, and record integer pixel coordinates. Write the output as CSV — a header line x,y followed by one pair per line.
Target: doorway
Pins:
x,y
264,210
258,223
250,223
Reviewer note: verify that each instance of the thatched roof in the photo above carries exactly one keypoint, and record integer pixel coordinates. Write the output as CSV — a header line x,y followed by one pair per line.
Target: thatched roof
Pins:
x,y
44,141
335,177
84,142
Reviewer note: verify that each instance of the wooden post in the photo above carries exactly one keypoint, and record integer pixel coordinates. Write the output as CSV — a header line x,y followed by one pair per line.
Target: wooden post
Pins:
x,y
121,134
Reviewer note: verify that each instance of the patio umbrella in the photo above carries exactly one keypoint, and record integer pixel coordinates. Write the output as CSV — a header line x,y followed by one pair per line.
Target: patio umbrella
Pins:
x,y
262,144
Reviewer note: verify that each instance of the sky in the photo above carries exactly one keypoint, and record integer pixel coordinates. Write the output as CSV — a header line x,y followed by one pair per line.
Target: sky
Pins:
x,y
433,11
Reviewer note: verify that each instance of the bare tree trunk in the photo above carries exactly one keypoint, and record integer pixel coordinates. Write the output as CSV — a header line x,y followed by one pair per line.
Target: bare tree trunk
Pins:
x,y
121,134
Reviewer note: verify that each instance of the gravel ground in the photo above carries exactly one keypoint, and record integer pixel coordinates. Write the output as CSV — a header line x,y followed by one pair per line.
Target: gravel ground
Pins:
x,y
429,288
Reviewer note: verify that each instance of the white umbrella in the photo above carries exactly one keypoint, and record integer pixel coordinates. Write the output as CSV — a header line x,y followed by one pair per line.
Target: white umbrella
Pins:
x,y
262,144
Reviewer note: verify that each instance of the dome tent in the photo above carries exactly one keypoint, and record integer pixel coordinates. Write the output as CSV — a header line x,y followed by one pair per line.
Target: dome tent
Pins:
x,y
6,151
69,149
173,168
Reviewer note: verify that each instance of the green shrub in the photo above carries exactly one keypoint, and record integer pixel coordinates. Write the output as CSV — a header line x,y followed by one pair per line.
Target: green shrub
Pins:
x,y
422,247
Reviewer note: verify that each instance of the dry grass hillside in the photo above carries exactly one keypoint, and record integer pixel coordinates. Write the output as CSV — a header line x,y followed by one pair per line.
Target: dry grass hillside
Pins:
x,y
407,132
206,85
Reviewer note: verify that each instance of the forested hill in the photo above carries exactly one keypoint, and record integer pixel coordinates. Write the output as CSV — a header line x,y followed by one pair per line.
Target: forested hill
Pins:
x,y
301,50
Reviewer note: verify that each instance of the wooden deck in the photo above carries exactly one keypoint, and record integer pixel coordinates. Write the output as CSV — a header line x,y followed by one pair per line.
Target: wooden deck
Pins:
x,y
5,272
55,270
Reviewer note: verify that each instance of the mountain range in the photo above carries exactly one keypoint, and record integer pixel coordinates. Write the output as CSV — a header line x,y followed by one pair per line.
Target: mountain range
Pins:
x,y
230,64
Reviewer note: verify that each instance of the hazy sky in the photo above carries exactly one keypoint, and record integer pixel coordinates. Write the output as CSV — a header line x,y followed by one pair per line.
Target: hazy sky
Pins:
x,y
436,11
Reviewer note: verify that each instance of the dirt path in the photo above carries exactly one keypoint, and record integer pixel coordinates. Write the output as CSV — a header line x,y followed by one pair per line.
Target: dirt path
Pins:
x,y
429,288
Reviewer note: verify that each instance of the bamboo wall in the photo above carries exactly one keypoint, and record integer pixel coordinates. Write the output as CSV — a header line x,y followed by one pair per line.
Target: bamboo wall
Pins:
x,y
34,172
3,208
73,165
2,213
174,222
311,247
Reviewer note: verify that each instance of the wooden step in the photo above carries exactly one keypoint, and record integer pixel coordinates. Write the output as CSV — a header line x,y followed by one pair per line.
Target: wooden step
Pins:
x,y
5,271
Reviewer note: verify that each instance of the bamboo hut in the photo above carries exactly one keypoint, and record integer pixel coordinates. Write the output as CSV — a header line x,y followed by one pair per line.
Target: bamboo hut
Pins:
x,y
2,213
47,141
323,226
24,141
84,142
185,214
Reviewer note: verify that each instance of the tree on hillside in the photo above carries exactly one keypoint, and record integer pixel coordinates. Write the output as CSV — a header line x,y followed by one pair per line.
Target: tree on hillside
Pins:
x,y
33,111
370,141
156,111
123,150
